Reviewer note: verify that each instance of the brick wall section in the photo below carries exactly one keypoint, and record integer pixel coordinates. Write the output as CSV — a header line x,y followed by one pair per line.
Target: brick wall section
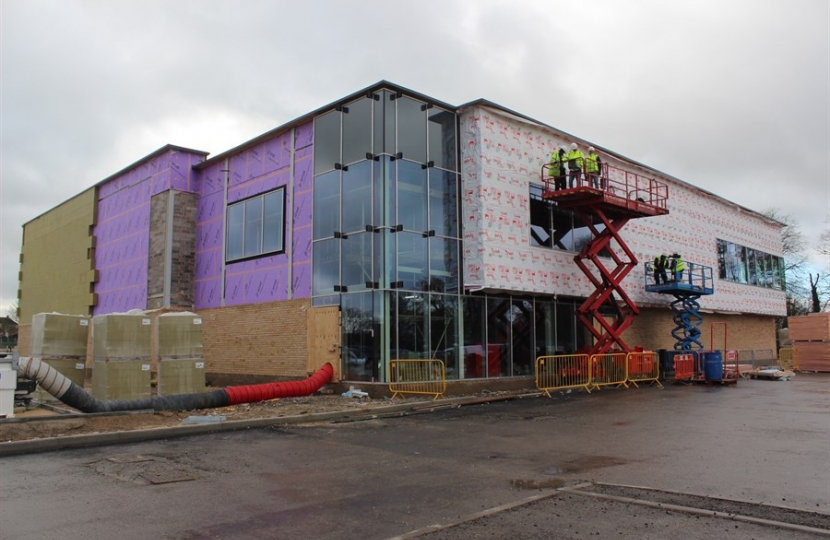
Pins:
x,y
652,329
183,265
255,342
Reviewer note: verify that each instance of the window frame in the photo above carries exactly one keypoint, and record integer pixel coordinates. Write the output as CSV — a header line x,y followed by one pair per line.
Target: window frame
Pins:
x,y
262,223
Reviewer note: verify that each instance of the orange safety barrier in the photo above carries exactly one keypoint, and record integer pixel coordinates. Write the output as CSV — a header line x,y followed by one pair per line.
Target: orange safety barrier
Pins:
x,y
609,369
417,377
684,367
563,372
643,366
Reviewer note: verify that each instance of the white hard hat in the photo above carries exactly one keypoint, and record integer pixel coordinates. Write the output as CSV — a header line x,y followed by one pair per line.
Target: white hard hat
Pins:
x,y
563,147
573,146
591,149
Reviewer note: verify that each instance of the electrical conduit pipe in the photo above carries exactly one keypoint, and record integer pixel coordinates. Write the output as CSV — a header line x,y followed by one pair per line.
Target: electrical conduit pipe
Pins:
x,y
76,397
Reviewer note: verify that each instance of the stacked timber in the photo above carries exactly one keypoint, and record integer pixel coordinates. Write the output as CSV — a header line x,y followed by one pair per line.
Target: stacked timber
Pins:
x,y
810,336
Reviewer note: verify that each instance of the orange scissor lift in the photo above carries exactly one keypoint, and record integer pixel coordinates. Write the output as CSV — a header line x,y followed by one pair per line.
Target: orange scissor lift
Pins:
x,y
605,206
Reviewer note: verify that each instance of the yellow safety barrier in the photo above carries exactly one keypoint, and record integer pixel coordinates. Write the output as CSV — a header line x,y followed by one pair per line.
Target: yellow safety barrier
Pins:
x,y
417,377
643,367
609,369
563,372
788,359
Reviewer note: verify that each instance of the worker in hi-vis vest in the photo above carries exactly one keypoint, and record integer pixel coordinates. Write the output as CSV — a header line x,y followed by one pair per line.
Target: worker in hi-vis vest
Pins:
x,y
677,266
575,163
593,168
556,167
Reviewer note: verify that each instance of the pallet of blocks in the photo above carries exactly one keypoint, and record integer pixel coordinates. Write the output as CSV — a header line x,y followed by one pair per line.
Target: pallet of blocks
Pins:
x,y
810,336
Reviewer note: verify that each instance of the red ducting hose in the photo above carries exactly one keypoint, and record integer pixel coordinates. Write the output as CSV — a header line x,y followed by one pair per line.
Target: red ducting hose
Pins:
x,y
262,392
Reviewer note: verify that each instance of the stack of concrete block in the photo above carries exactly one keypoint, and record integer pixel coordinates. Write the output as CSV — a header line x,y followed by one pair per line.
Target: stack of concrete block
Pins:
x,y
121,356
60,340
181,368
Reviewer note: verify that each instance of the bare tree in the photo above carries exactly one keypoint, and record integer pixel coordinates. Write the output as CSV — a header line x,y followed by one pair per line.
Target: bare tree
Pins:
x,y
794,245
11,312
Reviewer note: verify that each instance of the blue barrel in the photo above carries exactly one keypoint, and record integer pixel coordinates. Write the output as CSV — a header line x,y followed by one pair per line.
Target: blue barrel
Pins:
x,y
713,365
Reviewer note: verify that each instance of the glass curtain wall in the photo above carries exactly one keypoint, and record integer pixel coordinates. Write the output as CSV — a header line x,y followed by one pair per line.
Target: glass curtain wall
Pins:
x,y
386,236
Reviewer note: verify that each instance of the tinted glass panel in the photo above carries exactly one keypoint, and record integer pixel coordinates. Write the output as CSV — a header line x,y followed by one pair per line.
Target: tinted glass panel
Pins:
x,y
384,190
326,205
273,226
385,254
498,334
412,130
235,228
413,332
545,329
412,196
443,264
443,322
357,260
521,319
253,227
326,142
562,229
475,344
358,351
326,266
443,203
412,260
541,226
442,147
357,130
384,124
751,267
357,197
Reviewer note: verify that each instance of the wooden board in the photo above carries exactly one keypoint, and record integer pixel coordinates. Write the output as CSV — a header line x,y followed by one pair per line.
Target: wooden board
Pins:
x,y
813,355
323,343
812,327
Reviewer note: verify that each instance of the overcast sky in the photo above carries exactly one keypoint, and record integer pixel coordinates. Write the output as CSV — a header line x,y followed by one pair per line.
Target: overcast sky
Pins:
x,y
731,96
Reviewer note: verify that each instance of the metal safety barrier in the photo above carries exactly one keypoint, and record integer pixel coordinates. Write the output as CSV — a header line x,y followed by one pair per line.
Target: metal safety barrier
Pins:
x,y
608,369
417,377
643,367
684,366
562,372
757,358
788,359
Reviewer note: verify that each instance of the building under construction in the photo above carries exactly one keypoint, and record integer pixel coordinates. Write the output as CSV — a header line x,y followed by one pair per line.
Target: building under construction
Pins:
x,y
389,225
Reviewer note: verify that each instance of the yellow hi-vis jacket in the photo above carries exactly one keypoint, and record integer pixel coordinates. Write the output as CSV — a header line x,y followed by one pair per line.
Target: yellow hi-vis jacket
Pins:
x,y
575,160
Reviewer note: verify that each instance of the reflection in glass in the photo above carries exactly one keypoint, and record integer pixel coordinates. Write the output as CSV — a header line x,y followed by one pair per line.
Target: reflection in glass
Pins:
x,y
357,197
751,267
412,196
273,222
499,323
253,227
443,264
412,339
522,336
357,260
235,232
441,132
443,203
545,329
412,130
326,205
474,344
325,266
384,123
357,130
326,141
384,192
358,322
443,321
412,260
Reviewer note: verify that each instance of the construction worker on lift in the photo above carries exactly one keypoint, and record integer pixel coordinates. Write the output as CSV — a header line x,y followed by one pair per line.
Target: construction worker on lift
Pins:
x,y
557,167
661,263
593,167
677,266
575,163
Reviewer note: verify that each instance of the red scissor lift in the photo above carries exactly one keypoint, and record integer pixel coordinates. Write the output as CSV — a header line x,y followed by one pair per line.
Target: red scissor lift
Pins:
x,y
605,209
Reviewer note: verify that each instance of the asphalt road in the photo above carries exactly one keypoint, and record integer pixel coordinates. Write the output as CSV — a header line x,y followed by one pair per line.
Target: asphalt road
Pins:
x,y
523,469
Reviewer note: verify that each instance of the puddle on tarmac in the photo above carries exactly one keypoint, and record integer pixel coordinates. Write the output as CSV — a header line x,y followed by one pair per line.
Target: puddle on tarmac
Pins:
x,y
552,483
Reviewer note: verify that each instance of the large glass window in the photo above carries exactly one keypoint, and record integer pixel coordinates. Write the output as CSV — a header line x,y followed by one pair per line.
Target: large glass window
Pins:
x,y
443,264
357,197
413,338
326,141
384,123
412,196
521,321
499,323
751,266
357,260
326,205
553,227
441,132
326,266
256,226
443,202
360,337
412,129
413,266
443,321
357,130
474,346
